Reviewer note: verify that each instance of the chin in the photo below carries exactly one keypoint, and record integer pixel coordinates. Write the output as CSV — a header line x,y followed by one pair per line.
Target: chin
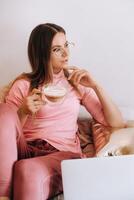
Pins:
x,y
65,64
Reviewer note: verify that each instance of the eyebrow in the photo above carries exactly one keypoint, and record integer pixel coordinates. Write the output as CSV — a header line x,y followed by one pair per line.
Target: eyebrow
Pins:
x,y
58,45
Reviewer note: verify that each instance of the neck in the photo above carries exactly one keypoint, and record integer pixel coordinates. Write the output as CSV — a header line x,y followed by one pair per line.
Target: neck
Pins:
x,y
56,71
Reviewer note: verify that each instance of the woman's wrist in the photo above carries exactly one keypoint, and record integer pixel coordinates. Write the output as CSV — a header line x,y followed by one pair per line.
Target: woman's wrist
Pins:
x,y
96,86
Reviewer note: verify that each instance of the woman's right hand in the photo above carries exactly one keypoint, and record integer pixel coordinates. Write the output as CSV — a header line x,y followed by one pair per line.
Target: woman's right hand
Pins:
x,y
33,102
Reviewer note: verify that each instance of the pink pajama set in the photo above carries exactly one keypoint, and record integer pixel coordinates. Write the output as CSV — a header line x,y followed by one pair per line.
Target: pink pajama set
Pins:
x,y
31,155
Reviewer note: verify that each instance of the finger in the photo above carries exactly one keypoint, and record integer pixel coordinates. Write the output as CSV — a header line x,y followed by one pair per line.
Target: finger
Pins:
x,y
69,67
31,104
72,67
35,108
71,76
36,97
36,92
38,107
34,111
79,77
77,74
38,103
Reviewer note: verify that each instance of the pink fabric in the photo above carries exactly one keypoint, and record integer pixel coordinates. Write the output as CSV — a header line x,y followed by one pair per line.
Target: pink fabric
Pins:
x,y
40,177
56,123
10,136
40,174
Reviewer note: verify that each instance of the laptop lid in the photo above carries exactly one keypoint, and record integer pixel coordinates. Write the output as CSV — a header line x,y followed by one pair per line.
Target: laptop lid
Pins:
x,y
100,178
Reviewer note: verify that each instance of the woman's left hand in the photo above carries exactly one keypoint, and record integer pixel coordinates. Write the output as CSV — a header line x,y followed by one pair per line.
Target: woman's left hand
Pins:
x,y
81,76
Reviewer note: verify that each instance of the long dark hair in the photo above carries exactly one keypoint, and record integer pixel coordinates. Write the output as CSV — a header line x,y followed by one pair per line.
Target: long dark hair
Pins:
x,y
39,49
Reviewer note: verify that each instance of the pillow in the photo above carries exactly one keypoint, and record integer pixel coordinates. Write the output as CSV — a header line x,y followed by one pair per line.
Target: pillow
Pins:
x,y
101,135
99,140
93,136
121,142
85,136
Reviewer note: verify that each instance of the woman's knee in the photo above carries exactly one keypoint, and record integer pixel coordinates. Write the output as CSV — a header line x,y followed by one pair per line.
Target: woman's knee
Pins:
x,y
34,169
44,178
26,169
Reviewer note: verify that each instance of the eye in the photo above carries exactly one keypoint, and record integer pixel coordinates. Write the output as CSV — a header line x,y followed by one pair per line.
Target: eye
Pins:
x,y
56,50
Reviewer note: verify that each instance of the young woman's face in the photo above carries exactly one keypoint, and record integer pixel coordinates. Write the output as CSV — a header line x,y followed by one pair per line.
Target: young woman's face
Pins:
x,y
59,52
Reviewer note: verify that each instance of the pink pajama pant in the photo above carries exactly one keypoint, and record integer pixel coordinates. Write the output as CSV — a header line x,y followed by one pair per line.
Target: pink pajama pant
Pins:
x,y
34,178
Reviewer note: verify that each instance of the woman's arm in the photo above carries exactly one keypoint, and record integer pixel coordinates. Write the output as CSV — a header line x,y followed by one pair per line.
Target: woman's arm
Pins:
x,y
31,104
111,112
24,103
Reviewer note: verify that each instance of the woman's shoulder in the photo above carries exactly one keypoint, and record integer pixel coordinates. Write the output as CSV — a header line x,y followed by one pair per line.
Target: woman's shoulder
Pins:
x,y
19,89
21,80
20,83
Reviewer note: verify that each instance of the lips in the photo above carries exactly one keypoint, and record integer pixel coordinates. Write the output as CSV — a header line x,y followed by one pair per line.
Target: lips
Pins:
x,y
65,61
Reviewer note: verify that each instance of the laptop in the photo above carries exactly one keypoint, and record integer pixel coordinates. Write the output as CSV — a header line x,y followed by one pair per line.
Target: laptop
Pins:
x,y
100,178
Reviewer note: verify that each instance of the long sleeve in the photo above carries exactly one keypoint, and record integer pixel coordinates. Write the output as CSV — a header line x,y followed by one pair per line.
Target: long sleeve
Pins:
x,y
18,91
92,104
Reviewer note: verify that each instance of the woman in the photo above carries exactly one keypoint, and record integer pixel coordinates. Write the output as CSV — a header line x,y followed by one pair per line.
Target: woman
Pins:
x,y
47,132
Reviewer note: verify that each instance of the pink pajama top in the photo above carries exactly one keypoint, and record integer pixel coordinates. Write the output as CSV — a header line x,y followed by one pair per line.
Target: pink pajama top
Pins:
x,y
56,122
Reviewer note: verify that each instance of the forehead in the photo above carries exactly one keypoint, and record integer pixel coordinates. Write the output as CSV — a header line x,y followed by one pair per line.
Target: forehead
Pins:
x,y
59,39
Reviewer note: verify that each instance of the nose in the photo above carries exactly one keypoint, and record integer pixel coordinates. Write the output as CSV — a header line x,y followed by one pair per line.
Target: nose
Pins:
x,y
65,52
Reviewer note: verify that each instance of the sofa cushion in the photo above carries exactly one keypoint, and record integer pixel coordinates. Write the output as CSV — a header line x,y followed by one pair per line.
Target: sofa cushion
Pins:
x,y
97,139
85,136
121,142
101,135
93,136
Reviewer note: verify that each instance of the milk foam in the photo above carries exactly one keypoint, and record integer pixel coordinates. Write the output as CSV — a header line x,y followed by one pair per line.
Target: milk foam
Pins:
x,y
54,91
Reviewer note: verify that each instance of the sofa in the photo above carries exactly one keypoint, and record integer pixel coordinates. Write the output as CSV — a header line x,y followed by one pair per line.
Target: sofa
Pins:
x,y
95,138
